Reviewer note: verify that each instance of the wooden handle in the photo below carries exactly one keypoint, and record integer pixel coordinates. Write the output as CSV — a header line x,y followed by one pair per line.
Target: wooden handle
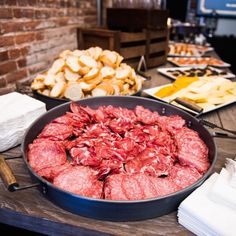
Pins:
x,y
7,175
189,105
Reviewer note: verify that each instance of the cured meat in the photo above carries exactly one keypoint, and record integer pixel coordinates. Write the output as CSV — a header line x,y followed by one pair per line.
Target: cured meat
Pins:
x,y
80,180
70,119
83,156
46,153
136,154
120,125
80,114
54,131
150,162
50,173
192,151
146,116
137,187
171,123
118,112
184,176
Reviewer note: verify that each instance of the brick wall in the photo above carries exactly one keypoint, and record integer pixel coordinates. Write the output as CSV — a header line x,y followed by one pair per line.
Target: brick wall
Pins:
x,y
33,32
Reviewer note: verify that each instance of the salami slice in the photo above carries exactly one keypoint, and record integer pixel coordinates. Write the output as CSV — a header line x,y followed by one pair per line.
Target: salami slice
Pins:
x,y
54,131
45,154
80,180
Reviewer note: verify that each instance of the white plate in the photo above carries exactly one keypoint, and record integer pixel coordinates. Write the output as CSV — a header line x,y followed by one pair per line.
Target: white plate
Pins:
x,y
170,59
164,71
152,91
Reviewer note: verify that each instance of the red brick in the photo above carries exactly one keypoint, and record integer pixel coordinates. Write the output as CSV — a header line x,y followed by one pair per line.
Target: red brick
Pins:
x,y
24,51
6,41
62,21
17,52
23,2
42,14
10,3
7,67
17,75
72,12
14,53
5,13
11,27
3,56
39,67
24,38
21,63
52,3
39,36
23,13
8,89
33,3
31,25
3,82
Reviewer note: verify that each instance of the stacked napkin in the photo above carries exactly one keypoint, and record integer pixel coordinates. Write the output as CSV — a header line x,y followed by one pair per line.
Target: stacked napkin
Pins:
x,y
211,209
17,113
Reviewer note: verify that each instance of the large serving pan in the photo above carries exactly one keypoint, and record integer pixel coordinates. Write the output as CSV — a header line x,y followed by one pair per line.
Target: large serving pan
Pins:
x,y
109,209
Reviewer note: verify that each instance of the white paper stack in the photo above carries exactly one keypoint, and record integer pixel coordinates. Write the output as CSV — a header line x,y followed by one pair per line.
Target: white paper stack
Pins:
x,y
17,113
209,209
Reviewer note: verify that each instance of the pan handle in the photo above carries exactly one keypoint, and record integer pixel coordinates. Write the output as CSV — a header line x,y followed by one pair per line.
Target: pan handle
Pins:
x,y
7,175
223,135
190,105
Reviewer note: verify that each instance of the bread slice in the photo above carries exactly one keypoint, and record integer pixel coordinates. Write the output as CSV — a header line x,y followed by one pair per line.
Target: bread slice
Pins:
x,y
97,92
57,89
50,80
122,73
87,87
107,72
45,92
73,63
88,61
98,52
71,76
96,80
57,66
73,91
108,58
119,60
59,77
91,74
84,70
78,53
65,53
37,85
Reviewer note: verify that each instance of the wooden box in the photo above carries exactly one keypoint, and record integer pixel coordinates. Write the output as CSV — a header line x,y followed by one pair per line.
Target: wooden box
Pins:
x,y
151,44
135,19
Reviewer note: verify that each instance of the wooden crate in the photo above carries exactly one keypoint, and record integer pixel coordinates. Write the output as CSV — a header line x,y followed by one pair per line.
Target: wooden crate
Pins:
x,y
151,44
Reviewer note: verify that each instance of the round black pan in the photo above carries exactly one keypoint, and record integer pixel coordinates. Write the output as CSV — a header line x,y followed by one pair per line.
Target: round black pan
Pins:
x,y
117,210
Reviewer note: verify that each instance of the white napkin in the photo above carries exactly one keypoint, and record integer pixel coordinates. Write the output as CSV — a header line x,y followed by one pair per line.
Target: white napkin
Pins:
x,y
17,112
222,192
199,214
231,168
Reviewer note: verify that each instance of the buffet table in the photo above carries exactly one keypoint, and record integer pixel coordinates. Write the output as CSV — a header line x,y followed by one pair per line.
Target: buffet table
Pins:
x,y
29,209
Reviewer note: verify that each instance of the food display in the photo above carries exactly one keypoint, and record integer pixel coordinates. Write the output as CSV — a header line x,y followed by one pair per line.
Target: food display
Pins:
x,y
201,61
117,153
184,49
84,73
207,71
206,92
